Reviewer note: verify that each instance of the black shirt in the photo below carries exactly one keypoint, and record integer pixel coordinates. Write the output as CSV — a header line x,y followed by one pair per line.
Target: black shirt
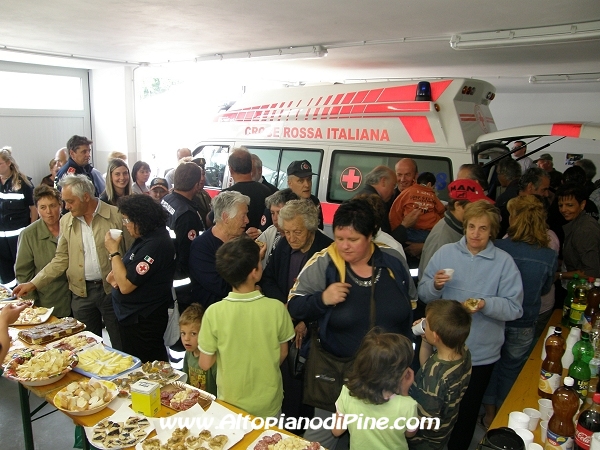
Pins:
x,y
150,266
14,205
257,193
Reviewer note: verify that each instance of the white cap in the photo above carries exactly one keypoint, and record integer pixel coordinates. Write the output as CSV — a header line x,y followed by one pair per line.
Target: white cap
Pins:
x,y
569,381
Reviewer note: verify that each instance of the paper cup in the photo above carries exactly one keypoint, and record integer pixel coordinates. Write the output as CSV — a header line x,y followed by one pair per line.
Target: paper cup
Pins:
x,y
534,418
545,408
517,419
115,233
449,272
543,430
534,446
419,329
526,435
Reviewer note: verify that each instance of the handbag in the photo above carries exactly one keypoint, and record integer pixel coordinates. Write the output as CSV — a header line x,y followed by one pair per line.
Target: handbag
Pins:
x,y
326,373
296,358
172,333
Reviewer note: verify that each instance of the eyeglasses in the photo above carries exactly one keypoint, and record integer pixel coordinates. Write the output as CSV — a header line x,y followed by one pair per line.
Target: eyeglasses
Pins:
x,y
126,221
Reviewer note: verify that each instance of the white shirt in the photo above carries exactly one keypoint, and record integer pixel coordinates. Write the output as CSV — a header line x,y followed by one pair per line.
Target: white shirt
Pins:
x,y
91,269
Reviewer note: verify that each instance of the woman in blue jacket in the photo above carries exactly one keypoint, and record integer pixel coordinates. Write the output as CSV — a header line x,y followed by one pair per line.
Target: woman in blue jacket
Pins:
x,y
486,273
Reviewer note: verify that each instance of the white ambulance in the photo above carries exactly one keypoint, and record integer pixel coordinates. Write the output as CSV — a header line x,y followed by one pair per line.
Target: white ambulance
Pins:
x,y
345,130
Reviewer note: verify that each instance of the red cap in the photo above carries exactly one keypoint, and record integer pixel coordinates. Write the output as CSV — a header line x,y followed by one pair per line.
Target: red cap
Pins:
x,y
596,397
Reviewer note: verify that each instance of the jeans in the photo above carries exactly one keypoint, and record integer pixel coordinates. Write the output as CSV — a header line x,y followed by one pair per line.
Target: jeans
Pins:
x,y
514,353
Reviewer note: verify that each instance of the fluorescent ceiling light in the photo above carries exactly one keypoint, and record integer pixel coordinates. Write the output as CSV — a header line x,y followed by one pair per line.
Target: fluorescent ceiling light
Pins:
x,y
527,36
307,52
565,78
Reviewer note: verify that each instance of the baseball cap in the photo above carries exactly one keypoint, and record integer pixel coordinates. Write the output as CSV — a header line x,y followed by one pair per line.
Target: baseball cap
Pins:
x,y
159,183
300,169
546,157
465,189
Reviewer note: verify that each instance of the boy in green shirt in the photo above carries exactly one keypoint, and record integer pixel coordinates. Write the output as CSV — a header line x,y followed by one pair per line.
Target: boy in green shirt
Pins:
x,y
246,334
189,328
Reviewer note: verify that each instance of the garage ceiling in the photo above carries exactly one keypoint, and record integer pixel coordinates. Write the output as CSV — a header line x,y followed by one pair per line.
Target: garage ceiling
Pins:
x,y
378,39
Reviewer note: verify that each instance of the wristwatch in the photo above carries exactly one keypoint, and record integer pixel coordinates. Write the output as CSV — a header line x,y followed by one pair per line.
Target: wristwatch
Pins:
x,y
112,255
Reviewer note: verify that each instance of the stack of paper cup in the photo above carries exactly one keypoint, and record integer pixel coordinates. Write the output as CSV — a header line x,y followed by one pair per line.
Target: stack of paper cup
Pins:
x,y
518,420
526,435
543,430
534,418
545,407
595,442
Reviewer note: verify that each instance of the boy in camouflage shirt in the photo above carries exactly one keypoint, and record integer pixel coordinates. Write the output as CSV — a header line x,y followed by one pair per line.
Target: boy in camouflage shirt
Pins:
x,y
444,375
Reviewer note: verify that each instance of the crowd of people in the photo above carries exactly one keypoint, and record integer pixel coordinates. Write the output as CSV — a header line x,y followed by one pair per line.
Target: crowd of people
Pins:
x,y
257,282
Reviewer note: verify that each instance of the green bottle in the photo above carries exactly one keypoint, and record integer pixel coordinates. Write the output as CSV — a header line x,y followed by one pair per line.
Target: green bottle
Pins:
x,y
583,352
569,299
579,304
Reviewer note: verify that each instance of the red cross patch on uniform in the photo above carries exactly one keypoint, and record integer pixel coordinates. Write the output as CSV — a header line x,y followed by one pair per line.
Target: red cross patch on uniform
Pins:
x,y
192,235
71,170
142,268
263,220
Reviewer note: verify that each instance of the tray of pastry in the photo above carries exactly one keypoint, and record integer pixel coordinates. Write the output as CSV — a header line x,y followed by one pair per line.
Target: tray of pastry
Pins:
x,y
160,372
48,332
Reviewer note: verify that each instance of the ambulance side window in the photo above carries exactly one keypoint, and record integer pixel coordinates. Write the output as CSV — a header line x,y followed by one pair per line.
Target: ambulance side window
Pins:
x,y
216,161
349,169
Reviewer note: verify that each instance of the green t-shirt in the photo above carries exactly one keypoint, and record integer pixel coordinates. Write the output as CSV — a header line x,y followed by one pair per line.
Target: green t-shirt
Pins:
x,y
397,407
246,331
203,379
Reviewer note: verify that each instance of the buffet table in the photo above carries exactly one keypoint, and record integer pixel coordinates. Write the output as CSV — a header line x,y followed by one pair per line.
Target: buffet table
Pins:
x,y
49,391
524,393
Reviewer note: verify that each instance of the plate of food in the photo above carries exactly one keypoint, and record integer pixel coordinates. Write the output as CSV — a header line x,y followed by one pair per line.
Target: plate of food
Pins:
x,y
123,429
40,367
5,292
158,371
34,315
183,438
104,363
271,440
76,342
48,332
83,398
180,396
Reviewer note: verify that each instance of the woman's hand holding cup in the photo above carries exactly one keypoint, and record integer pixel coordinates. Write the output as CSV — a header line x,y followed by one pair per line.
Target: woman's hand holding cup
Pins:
x,y
440,279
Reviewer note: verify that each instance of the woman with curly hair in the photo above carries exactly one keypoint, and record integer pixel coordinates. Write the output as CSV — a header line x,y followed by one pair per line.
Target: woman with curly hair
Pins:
x,y
140,173
142,278
16,212
527,243
377,388
118,182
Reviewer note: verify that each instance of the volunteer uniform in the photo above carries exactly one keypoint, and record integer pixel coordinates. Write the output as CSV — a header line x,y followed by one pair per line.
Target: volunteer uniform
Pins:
x,y
15,215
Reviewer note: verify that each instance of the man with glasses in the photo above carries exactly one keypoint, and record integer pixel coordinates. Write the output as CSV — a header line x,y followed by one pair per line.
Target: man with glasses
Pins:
x,y
81,254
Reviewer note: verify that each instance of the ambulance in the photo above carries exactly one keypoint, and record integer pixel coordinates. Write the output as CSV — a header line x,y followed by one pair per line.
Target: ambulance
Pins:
x,y
345,130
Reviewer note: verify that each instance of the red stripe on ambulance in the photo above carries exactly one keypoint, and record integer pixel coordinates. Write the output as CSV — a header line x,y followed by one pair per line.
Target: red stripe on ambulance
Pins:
x,y
418,128
566,129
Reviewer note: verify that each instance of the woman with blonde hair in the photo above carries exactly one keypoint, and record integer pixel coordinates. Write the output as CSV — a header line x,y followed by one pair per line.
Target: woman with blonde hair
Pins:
x,y
16,212
527,243
118,182
487,281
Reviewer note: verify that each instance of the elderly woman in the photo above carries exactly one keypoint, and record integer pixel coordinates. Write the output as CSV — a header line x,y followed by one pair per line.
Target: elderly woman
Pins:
x,y
16,212
581,247
48,180
486,273
36,248
142,278
140,174
118,182
231,218
527,243
347,288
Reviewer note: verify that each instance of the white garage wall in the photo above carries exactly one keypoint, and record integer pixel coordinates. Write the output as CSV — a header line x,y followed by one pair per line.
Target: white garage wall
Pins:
x,y
513,110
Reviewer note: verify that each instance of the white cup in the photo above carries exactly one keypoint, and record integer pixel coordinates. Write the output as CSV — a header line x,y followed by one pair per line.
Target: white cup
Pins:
x,y
534,446
517,419
543,430
115,233
526,435
449,272
419,329
534,418
545,408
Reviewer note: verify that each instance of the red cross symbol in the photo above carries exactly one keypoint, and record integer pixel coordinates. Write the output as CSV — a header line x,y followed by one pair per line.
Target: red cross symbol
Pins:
x,y
351,178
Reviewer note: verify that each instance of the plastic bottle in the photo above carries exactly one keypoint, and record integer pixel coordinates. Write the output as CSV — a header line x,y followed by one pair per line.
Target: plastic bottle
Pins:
x,y
569,299
561,428
551,371
583,353
550,333
591,311
572,339
587,424
579,304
